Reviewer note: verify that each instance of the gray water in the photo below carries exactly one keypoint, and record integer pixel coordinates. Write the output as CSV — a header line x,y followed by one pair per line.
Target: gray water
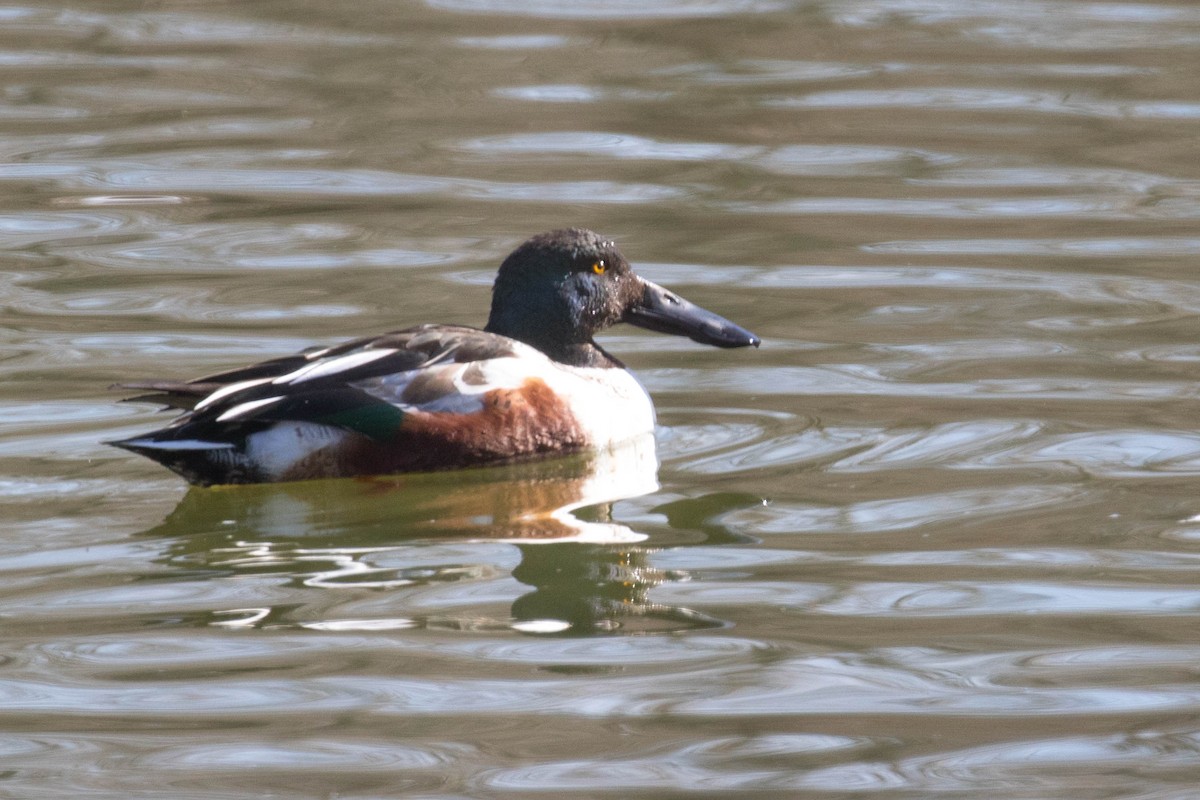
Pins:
x,y
938,537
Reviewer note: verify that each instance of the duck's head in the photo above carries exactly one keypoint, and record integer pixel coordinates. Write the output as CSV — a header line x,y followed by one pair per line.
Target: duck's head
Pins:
x,y
558,289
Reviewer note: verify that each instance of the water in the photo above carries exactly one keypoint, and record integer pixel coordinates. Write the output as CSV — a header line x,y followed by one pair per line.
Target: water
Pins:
x,y
939,536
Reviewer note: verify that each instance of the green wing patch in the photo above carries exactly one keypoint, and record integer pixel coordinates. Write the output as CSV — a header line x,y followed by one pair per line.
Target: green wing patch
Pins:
x,y
378,421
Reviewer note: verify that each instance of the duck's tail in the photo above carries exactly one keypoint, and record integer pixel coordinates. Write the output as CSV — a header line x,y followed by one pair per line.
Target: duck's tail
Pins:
x,y
200,462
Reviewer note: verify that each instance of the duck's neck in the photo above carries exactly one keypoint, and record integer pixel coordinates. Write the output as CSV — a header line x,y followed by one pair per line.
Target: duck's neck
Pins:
x,y
588,354
555,340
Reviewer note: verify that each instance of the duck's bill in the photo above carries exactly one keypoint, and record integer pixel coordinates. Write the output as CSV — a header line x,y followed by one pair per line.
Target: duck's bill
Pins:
x,y
666,312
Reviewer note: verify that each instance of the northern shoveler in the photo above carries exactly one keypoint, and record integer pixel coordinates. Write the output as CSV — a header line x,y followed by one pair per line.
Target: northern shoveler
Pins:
x,y
531,383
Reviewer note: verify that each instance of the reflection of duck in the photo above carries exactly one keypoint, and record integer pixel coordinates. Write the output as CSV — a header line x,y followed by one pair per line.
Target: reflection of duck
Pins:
x,y
588,572
585,589
532,383
517,502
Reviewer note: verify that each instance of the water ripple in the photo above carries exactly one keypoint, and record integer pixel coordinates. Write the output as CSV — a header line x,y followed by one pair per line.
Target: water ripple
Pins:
x,y
1113,453
810,447
949,444
207,248
518,42
1089,207
24,230
611,9
1110,765
194,179
902,513
1040,24
705,766
1098,247
628,651
734,427
996,100
879,380
756,72
785,160
901,600
175,29
177,305
1020,769
611,145
1045,176
575,93
923,681
322,754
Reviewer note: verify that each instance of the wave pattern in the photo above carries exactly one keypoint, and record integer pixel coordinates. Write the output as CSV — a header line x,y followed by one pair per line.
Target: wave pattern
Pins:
x,y
936,538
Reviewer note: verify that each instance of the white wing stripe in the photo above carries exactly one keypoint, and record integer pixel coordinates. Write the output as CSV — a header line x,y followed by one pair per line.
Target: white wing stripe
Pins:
x,y
332,366
181,444
242,409
225,391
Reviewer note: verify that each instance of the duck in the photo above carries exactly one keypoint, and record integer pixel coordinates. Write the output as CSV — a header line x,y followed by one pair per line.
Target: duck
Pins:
x,y
532,383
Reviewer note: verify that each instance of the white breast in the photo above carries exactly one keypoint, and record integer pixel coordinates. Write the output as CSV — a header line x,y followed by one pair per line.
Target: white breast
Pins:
x,y
610,405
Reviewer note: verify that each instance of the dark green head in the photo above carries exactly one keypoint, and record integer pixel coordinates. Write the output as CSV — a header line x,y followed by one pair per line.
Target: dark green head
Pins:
x,y
558,289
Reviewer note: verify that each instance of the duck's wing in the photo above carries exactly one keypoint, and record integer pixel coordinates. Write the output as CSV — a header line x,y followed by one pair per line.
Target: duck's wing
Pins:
x,y
184,395
422,398
364,386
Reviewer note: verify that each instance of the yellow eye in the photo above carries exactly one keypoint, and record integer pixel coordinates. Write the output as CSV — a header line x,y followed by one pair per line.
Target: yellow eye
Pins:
x,y
599,267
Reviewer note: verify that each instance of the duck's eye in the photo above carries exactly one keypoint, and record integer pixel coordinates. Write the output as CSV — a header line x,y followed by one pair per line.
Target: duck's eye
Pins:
x,y
599,267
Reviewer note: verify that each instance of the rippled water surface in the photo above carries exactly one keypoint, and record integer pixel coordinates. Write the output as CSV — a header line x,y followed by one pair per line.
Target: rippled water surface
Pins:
x,y
938,537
